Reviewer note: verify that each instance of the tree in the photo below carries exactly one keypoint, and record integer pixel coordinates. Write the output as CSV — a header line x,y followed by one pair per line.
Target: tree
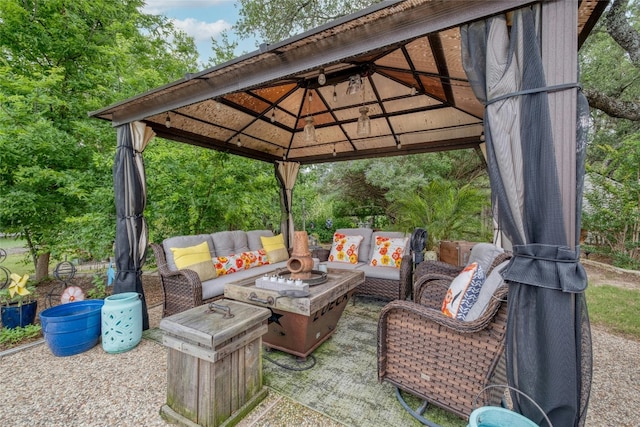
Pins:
x,y
272,21
614,85
62,59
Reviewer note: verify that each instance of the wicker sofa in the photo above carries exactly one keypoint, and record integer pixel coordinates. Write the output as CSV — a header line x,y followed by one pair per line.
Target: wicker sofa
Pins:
x,y
387,283
183,289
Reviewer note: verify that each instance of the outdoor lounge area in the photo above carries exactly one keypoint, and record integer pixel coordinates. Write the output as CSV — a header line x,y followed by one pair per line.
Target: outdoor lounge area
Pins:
x,y
338,391
429,76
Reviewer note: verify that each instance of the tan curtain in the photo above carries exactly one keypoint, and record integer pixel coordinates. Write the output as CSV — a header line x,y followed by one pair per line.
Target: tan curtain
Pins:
x,y
287,173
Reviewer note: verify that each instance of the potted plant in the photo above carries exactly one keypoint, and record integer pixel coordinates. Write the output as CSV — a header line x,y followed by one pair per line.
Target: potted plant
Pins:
x,y
18,303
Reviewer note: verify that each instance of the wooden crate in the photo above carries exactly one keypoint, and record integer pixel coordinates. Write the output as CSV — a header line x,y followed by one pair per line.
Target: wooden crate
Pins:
x,y
214,366
455,252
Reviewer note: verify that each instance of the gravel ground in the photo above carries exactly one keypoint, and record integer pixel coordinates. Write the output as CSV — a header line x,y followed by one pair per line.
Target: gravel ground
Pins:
x,y
95,388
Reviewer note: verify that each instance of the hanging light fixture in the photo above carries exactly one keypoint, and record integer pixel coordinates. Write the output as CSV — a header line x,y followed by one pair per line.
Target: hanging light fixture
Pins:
x,y
354,84
334,150
273,115
322,79
335,95
167,122
309,129
398,143
364,123
413,90
239,143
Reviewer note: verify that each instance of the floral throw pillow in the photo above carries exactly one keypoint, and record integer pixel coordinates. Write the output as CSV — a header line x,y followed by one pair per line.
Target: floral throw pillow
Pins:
x,y
243,261
463,292
345,248
388,251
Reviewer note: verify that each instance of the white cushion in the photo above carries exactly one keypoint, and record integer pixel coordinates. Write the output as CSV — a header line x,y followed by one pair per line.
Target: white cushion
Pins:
x,y
253,238
484,254
491,284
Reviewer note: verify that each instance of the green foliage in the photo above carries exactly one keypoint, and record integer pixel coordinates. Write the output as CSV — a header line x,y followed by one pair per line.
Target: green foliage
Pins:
x,y
62,59
612,209
192,191
276,20
446,211
615,308
15,335
99,287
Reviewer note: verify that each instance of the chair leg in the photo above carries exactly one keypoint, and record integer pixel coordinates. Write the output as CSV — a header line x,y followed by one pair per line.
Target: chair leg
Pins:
x,y
417,413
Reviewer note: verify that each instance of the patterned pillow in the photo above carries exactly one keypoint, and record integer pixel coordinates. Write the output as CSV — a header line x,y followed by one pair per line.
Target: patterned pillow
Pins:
x,y
243,261
253,258
388,251
463,292
345,248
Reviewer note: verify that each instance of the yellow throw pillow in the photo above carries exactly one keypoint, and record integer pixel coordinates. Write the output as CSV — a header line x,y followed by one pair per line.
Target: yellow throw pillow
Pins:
x,y
276,250
196,258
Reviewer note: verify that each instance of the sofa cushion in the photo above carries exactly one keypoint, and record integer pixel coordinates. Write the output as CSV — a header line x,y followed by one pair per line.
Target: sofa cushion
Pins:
x,y
364,251
380,272
184,242
387,251
215,287
390,234
275,248
253,238
196,258
229,242
484,254
345,248
344,265
463,292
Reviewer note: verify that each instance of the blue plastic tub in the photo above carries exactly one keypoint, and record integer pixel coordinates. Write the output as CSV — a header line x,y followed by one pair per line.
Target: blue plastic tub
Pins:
x,y
493,416
72,328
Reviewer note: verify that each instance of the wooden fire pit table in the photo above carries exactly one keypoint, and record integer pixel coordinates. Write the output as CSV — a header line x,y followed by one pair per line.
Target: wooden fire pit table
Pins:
x,y
299,325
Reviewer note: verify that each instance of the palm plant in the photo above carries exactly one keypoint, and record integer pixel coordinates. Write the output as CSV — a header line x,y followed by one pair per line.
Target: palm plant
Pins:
x,y
445,211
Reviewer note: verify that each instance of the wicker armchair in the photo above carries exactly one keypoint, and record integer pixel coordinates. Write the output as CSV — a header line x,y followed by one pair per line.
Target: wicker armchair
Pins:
x,y
389,289
182,289
446,362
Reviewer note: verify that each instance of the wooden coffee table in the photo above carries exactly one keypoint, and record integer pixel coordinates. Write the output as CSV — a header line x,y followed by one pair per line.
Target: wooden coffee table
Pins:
x,y
299,325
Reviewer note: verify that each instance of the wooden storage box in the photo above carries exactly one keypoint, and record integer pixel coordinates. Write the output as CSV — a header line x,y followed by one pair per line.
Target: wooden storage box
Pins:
x,y
455,252
214,365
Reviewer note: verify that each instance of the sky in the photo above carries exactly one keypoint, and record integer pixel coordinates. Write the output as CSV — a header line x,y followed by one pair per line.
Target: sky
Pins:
x,y
201,19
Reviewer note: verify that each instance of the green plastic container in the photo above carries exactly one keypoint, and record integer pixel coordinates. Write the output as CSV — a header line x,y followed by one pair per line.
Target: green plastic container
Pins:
x,y
121,322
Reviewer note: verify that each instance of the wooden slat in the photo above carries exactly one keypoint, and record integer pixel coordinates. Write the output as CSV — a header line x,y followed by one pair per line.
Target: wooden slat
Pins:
x,y
201,326
339,283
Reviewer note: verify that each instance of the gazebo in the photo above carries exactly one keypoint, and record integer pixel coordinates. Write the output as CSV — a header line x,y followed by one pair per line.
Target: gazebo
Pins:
x,y
405,77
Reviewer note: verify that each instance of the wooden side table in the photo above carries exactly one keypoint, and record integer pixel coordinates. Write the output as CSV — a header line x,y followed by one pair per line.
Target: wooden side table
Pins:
x,y
214,364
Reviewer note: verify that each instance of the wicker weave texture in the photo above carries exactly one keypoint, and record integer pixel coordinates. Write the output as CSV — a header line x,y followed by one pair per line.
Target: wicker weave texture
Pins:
x,y
182,289
445,361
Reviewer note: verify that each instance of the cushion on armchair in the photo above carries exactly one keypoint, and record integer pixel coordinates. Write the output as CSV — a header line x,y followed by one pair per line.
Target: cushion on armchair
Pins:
x,y
491,284
463,292
484,254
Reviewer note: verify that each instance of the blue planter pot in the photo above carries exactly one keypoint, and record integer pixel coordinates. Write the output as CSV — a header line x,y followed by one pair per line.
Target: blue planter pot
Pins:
x,y
72,328
14,316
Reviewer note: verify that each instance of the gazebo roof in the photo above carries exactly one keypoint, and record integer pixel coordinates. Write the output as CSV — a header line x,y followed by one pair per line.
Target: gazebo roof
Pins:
x,y
406,54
